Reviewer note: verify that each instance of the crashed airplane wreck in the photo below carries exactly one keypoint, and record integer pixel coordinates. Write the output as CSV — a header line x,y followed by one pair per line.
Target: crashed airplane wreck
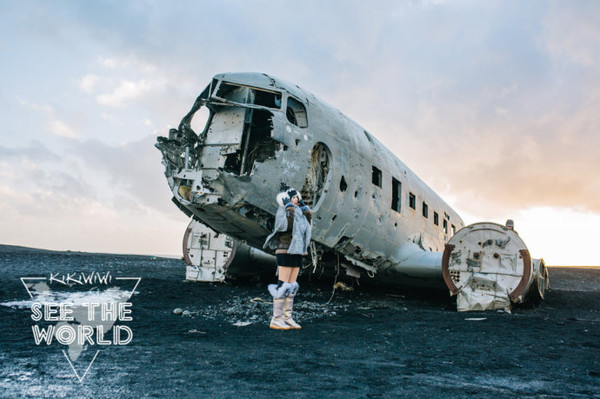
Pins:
x,y
372,216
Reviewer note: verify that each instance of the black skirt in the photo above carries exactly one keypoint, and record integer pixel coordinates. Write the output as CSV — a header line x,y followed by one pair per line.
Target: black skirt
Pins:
x,y
287,260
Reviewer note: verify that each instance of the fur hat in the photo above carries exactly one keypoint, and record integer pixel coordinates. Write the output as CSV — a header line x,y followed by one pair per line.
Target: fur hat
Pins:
x,y
283,198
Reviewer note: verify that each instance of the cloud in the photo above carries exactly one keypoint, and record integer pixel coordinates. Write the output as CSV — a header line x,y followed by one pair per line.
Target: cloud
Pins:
x,y
127,62
61,129
478,109
88,83
93,197
54,125
492,104
131,172
34,151
491,163
125,92
571,32
126,177
135,103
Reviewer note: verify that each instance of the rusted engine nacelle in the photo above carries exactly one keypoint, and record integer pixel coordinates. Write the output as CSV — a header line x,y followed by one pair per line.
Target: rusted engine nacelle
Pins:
x,y
488,267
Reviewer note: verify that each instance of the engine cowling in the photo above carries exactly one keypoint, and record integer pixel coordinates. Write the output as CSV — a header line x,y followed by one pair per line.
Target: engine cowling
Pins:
x,y
212,257
488,266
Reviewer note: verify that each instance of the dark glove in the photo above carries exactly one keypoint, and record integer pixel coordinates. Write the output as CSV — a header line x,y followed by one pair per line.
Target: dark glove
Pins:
x,y
301,203
286,200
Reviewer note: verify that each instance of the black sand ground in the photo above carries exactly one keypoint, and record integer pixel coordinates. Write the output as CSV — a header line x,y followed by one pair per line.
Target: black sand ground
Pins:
x,y
375,342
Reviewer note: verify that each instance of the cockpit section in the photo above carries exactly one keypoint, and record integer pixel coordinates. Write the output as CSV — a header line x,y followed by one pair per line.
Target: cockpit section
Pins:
x,y
224,150
238,131
244,130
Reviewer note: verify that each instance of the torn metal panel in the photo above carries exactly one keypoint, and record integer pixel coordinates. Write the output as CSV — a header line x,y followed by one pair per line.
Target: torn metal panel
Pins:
x,y
482,294
207,254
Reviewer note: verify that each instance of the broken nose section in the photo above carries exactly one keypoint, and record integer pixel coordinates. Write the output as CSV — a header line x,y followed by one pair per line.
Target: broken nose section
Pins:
x,y
181,158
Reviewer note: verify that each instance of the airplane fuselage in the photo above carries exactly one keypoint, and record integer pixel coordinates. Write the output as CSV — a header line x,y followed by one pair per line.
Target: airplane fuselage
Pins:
x,y
262,131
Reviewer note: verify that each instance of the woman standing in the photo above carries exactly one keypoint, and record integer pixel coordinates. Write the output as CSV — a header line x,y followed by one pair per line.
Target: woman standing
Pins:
x,y
290,239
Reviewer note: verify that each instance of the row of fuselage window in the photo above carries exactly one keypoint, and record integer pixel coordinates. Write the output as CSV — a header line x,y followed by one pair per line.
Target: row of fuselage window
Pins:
x,y
377,179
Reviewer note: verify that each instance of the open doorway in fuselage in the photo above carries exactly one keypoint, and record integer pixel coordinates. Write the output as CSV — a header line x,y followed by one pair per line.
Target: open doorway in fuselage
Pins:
x,y
318,177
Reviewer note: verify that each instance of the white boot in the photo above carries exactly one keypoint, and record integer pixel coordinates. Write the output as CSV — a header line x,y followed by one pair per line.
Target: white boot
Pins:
x,y
277,322
288,307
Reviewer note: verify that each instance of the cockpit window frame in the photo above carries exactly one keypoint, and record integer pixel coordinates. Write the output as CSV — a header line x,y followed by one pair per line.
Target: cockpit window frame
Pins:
x,y
278,94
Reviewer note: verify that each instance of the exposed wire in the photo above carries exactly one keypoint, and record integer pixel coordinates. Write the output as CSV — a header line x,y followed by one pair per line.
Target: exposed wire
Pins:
x,y
313,255
314,260
337,272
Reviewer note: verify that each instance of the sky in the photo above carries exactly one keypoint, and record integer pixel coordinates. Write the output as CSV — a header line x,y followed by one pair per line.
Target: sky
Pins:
x,y
493,104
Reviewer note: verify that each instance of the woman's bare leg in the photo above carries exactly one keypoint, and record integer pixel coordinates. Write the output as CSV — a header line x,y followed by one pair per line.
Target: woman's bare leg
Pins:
x,y
293,274
284,273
